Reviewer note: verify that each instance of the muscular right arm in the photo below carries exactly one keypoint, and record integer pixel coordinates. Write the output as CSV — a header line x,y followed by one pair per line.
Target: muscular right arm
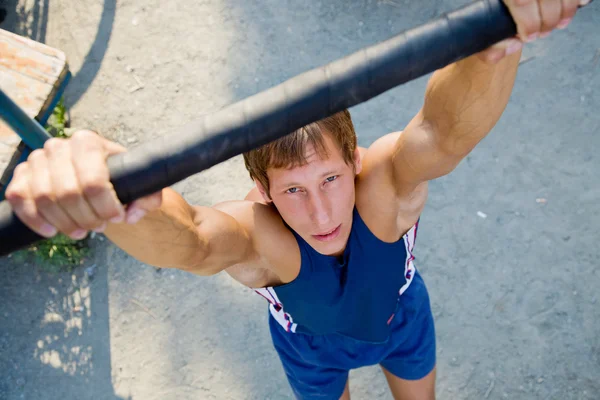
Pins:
x,y
201,240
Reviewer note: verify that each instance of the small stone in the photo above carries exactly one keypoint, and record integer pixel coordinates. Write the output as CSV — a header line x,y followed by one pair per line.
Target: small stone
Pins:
x,y
540,380
129,68
134,21
541,200
481,214
131,140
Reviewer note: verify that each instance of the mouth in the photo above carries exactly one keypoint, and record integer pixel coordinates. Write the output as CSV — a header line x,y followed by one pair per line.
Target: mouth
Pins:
x,y
329,235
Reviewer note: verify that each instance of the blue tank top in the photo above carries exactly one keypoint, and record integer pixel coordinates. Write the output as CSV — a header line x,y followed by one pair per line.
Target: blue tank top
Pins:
x,y
354,295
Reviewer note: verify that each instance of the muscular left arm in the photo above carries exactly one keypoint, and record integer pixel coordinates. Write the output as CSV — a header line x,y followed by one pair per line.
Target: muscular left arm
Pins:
x,y
462,104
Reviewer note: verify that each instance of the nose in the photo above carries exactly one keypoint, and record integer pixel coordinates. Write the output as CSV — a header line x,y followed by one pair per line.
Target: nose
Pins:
x,y
320,210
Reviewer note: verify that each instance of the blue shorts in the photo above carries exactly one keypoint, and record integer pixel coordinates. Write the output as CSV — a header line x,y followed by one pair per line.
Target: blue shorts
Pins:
x,y
317,366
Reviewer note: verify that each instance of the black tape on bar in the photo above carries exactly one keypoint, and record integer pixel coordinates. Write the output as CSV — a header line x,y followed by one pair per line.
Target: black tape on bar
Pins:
x,y
299,101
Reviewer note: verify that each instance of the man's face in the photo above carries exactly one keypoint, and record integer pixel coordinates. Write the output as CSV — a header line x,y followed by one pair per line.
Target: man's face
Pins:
x,y
317,199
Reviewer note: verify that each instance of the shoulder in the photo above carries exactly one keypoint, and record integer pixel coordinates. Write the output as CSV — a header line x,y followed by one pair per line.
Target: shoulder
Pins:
x,y
387,210
275,245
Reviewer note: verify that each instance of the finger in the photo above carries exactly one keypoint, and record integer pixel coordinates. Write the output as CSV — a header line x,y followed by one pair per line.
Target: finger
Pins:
x,y
67,190
550,12
527,17
40,187
19,197
569,8
500,50
89,161
112,147
139,208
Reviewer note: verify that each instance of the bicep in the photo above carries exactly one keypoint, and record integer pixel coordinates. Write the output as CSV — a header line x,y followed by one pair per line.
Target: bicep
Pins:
x,y
257,244
417,155
226,240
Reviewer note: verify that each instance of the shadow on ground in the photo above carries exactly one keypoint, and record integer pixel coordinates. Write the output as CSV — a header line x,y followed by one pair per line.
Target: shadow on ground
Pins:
x,y
29,20
64,318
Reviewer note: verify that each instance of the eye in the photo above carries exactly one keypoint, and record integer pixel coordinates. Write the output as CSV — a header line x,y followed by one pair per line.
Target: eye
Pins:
x,y
292,190
331,178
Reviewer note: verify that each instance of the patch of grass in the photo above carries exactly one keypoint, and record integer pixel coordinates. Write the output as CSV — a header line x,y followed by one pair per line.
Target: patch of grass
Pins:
x,y
60,253
57,122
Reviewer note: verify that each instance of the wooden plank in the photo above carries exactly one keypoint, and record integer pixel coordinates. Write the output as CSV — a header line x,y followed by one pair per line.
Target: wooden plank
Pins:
x,y
30,74
29,93
27,61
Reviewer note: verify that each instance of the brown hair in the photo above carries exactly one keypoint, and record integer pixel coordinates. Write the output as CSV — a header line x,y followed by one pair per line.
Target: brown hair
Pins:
x,y
289,151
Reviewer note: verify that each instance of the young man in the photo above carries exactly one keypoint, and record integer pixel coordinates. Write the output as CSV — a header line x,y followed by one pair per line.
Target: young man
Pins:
x,y
327,234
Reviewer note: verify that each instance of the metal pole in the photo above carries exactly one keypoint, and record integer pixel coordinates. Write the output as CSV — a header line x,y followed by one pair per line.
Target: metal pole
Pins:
x,y
33,134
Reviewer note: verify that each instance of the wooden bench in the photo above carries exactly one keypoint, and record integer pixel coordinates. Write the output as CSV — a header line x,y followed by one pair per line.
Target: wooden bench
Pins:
x,y
34,76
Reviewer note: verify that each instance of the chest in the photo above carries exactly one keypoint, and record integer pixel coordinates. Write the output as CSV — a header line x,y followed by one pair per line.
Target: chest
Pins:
x,y
355,295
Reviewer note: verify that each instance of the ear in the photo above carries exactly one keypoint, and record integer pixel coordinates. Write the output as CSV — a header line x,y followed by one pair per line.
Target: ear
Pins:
x,y
263,192
358,152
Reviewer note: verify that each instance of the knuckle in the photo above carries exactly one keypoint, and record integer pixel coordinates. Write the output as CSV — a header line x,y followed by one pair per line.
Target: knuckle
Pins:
x,y
43,200
14,194
20,169
68,195
54,144
93,186
84,135
37,154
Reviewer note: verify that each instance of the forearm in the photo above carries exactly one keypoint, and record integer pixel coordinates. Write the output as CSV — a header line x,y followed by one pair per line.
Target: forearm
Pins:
x,y
464,101
166,237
